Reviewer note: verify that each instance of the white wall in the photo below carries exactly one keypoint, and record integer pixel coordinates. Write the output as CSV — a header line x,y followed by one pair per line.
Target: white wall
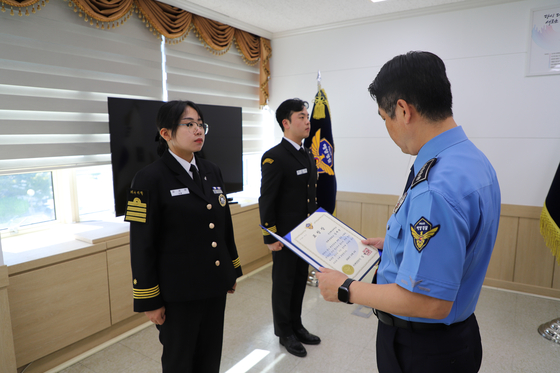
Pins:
x,y
513,119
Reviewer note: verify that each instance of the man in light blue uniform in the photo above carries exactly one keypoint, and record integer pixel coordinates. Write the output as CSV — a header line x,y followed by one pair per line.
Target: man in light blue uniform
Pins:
x,y
440,237
449,216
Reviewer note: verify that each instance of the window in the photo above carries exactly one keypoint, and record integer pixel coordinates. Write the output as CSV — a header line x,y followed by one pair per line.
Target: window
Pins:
x,y
54,139
26,199
94,186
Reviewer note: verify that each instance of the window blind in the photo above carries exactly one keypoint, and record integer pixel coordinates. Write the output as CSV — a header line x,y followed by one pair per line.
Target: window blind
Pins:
x,y
56,72
197,75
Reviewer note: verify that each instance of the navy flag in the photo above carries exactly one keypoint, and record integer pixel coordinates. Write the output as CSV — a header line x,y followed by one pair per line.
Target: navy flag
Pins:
x,y
550,217
321,143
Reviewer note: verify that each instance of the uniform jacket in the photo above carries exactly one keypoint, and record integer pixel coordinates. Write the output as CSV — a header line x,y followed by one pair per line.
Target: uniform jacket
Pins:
x,y
288,189
440,237
181,239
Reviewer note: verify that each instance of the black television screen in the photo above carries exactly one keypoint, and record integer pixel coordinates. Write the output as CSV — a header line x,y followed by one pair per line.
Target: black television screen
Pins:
x,y
132,128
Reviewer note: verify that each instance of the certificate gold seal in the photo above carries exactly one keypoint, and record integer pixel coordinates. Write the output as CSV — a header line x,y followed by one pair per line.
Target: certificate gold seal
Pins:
x,y
348,269
222,200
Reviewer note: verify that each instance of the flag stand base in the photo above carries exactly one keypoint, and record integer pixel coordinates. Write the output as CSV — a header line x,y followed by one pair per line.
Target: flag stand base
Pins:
x,y
312,278
551,330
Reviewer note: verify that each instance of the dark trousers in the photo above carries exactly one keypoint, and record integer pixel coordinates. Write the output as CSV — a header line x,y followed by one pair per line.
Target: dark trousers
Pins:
x,y
457,349
289,279
192,336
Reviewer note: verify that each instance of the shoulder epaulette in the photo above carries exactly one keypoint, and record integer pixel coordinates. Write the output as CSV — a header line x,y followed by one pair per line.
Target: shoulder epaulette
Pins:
x,y
137,206
422,175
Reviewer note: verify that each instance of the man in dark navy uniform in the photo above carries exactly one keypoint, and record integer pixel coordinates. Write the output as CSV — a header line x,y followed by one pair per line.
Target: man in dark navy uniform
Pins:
x,y
288,196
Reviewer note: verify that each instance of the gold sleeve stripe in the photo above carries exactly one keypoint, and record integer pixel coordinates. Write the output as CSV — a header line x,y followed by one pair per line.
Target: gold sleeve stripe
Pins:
x,y
137,214
133,218
150,290
146,293
272,229
138,209
236,263
268,160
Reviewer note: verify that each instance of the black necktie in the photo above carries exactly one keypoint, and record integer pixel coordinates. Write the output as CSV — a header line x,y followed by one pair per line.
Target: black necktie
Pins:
x,y
196,176
302,151
410,178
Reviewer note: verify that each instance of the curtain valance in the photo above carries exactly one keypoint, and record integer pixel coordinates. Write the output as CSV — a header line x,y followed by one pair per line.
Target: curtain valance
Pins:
x,y
171,22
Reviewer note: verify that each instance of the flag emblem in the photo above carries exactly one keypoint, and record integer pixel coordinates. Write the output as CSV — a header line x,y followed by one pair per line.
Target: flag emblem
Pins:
x,y
323,153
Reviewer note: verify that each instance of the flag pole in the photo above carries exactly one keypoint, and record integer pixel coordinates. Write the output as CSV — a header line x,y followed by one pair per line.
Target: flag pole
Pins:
x,y
312,279
550,230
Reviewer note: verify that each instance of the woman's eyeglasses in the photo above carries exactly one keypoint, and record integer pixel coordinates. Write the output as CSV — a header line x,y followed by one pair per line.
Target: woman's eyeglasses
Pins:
x,y
193,125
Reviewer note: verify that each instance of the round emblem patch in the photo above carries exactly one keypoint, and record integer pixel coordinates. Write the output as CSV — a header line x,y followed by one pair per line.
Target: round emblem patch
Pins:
x,y
222,199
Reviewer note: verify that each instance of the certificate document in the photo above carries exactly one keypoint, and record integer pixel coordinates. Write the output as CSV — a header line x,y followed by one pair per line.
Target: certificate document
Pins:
x,y
324,241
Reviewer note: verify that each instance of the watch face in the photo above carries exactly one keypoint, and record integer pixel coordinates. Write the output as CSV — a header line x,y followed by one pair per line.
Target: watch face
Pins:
x,y
343,294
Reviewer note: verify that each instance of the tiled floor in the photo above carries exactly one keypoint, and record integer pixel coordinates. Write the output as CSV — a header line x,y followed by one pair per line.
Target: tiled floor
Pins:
x,y
508,323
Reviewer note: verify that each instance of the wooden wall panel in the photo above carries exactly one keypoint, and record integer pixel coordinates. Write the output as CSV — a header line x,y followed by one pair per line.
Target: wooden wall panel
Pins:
x,y
350,213
520,260
374,220
249,240
502,262
556,276
7,354
55,306
534,265
120,283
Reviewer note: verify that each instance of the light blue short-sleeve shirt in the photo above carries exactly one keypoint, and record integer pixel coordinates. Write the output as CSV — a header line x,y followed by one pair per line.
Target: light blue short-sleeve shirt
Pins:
x,y
441,235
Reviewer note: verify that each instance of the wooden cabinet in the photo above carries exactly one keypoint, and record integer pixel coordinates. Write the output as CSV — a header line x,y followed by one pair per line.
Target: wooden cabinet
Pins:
x,y
57,305
253,253
120,283
67,298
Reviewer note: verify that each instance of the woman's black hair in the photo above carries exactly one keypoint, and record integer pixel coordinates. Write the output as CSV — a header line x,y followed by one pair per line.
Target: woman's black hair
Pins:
x,y
169,116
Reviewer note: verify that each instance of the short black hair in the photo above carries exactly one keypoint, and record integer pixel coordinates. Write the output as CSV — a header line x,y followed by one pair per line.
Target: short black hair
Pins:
x,y
287,108
169,116
420,79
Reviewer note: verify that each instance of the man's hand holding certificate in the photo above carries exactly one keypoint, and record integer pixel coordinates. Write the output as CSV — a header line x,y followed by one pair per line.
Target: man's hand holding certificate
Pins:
x,y
324,241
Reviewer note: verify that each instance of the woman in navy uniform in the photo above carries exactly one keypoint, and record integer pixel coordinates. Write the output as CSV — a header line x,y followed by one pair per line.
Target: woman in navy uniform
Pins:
x,y
183,253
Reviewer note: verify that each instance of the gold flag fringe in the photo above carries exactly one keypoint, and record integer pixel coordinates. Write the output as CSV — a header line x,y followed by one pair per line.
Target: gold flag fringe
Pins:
x,y
550,232
320,102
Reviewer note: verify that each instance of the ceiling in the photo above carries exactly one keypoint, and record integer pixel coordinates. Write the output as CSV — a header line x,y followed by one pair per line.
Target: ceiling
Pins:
x,y
268,18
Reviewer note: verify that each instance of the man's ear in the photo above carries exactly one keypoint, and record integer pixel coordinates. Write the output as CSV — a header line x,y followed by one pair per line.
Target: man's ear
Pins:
x,y
405,110
286,124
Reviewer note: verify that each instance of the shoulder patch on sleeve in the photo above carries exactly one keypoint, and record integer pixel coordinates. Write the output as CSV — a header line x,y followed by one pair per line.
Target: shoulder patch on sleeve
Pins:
x,y
422,175
268,160
422,232
137,206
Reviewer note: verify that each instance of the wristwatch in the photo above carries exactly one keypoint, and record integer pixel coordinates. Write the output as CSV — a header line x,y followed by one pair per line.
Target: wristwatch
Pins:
x,y
344,291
